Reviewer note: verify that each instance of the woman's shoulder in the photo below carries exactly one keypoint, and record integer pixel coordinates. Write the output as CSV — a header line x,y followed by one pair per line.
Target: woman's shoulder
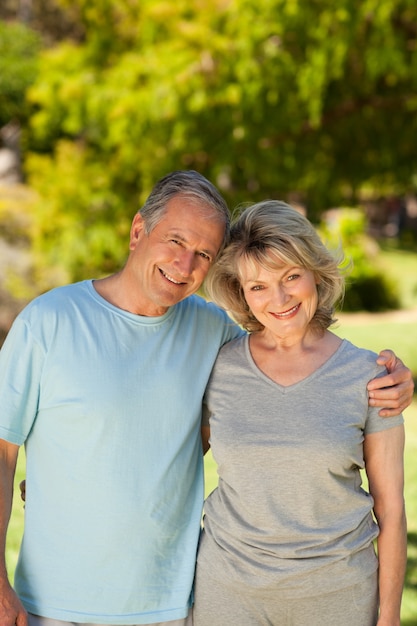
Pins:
x,y
358,357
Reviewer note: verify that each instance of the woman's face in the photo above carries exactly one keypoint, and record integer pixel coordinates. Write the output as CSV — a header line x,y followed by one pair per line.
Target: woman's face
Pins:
x,y
283,299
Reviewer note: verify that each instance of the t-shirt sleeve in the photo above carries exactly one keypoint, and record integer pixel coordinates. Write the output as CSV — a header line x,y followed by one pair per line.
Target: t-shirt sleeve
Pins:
x,y
21,361
230,329
375,423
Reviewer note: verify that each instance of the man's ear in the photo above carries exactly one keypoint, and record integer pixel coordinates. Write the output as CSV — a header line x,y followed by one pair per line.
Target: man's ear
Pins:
x,y
138,226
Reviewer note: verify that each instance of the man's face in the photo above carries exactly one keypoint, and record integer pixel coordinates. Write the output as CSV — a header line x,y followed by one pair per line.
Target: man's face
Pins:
x,y
171,262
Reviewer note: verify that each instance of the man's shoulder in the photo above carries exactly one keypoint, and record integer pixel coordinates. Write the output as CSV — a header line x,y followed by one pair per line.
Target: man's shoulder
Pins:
x,y
209,316
55,300
234,348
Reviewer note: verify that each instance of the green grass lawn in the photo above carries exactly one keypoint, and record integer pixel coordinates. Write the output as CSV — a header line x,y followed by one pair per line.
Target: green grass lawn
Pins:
x,y
375,333
401,266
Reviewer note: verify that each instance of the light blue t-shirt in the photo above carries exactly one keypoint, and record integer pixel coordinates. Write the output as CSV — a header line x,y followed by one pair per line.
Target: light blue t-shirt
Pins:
x,y
108,404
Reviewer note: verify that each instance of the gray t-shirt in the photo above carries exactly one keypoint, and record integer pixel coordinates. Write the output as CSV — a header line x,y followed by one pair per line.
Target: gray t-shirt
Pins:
x,y
289,502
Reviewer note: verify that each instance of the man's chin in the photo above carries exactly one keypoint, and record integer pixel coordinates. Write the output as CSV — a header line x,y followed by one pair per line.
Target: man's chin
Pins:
x,y
172,298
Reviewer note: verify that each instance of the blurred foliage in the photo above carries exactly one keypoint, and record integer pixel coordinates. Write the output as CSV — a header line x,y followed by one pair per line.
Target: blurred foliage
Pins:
x,y
78,225
19,48
267,98
45,17
368,288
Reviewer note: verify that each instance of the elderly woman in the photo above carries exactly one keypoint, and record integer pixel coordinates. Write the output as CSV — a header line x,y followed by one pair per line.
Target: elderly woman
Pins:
x,y
289,532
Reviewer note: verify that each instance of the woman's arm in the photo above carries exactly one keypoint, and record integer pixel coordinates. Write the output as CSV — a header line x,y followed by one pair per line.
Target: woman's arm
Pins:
x,y
384,452
394,391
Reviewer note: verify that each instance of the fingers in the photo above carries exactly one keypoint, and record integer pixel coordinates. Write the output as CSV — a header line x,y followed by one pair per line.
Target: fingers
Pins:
x,y
392,400
391,412
388,358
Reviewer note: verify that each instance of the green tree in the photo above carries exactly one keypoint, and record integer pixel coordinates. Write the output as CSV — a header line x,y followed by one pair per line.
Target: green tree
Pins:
x,y
19,49
264,97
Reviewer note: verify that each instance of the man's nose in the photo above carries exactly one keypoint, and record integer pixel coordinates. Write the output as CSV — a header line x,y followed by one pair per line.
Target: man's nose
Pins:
x,y
185,262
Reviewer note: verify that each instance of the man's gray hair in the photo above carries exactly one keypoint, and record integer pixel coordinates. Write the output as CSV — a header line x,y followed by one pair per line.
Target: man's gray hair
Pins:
x,y
187,183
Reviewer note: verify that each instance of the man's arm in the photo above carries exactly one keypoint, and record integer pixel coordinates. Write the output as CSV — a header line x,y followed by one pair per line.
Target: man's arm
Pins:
x,y
393,392
12,612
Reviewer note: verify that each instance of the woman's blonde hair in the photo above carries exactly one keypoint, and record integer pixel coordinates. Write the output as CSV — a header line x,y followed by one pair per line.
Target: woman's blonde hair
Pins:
x,y
269,233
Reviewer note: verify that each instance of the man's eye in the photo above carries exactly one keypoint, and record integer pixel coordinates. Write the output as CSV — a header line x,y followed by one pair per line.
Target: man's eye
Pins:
x,y
205,256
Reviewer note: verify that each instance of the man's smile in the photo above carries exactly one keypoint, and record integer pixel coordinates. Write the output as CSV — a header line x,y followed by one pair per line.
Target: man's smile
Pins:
x,y
170,278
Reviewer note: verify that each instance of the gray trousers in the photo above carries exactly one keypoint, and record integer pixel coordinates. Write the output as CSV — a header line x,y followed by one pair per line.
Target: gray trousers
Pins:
x,y
35,620
217,604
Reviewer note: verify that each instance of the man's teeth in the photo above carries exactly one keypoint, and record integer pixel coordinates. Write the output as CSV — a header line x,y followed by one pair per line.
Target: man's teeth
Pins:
x,y
171,280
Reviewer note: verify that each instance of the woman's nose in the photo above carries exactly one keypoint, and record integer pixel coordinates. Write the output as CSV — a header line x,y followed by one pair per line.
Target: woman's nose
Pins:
x,y
280,295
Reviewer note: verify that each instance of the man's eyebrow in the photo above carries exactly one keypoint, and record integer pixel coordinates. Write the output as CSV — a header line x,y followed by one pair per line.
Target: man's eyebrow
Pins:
x,y
175,235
